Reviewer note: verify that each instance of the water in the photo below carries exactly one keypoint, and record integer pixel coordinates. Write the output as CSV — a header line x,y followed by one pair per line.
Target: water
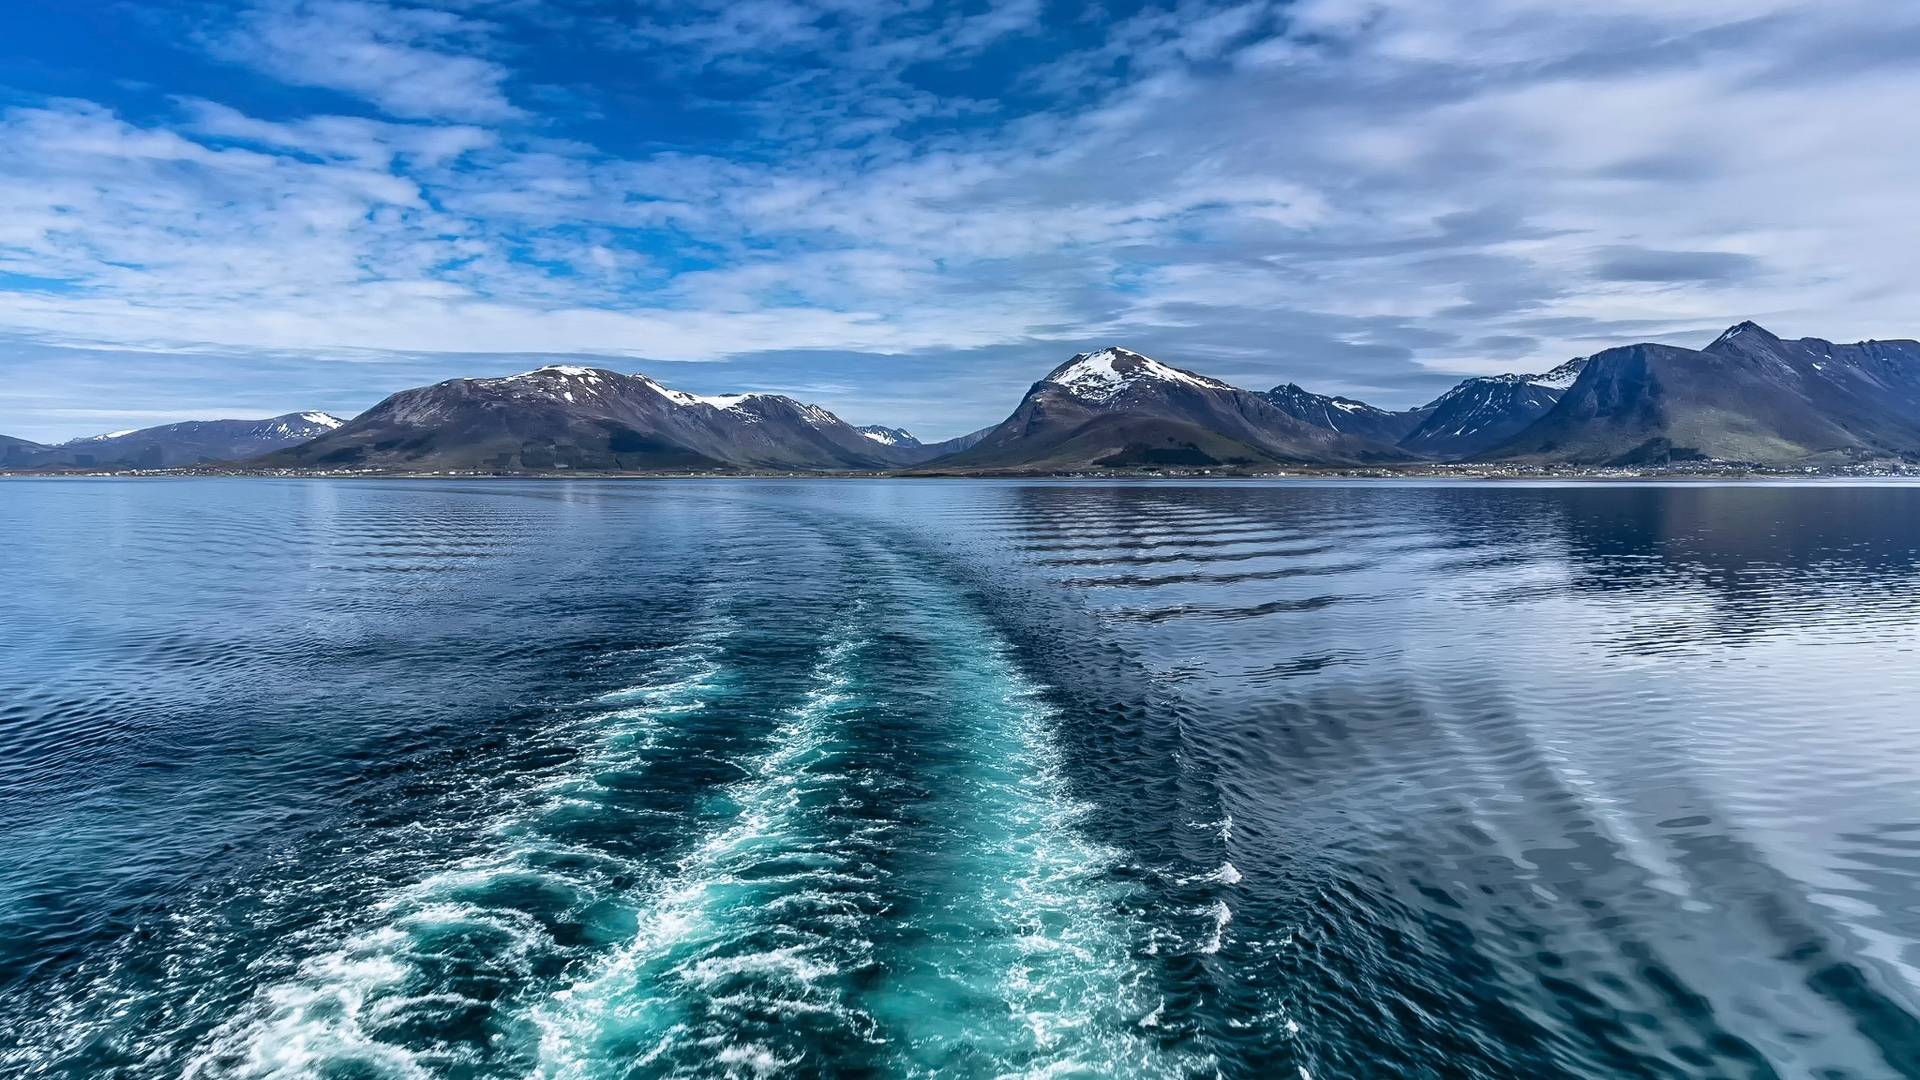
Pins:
x,y
903,779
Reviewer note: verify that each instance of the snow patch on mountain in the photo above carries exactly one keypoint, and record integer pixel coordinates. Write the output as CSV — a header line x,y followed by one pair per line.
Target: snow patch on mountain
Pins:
x,y
1561,377
1742,328
887,436
304,426
718,401
1107,373
567,370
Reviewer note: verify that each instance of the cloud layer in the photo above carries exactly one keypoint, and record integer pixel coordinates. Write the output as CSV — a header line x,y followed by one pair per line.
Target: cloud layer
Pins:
x,y
920,210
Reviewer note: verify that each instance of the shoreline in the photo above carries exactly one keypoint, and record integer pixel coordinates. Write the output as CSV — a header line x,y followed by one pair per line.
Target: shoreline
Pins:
x,y
1473,473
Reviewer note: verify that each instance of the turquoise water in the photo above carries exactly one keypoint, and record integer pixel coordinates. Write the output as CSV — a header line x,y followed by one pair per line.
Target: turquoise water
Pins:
x,y
892,779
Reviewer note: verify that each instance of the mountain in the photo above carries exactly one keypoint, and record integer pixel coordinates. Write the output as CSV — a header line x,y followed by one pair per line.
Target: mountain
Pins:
x,y
889,436
565,417
1870,389
1115,408
1462,423
1748,397
1344,415
19,453
911,451
1483,412
193,442
959,442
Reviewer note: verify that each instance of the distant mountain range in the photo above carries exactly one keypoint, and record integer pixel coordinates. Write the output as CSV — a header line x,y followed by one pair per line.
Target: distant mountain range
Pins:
x,y
589,419
1748,398
195,442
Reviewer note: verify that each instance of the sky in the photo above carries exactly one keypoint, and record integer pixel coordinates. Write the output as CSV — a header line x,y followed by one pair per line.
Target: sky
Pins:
x,y
909,211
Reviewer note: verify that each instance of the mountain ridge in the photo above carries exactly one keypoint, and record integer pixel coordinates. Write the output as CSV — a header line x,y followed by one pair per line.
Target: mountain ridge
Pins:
x,y
1115,408
1748,398
572,417
177,445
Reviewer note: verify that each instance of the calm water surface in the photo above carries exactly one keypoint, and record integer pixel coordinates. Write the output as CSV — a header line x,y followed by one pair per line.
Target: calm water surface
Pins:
x,y
895,779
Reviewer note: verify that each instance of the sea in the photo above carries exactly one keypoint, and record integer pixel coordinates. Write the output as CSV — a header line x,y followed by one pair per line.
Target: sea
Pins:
x,y
360,779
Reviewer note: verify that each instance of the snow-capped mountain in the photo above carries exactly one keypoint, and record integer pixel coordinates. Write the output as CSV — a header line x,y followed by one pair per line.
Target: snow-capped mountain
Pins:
x,y
1467,420
1116,408
1485,411
569,417
1343,414
1112,374
1749,396
889,436
193,442
271,433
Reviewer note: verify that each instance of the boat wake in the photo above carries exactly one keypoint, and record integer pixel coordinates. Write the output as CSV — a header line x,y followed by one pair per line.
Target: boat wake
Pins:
x,y
886,874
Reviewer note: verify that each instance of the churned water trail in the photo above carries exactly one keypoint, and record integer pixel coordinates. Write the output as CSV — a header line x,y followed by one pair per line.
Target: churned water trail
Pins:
x,y
903,890
1022,950
725,958
430,984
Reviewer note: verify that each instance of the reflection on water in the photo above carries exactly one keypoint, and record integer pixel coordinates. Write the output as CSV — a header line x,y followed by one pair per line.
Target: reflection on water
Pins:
x,y
894,779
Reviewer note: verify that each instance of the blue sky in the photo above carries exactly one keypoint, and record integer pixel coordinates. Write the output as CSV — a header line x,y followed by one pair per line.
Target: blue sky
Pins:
x,y
909,211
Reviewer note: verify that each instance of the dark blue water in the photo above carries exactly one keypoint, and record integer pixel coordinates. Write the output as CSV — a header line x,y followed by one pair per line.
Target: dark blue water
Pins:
x,y
890,779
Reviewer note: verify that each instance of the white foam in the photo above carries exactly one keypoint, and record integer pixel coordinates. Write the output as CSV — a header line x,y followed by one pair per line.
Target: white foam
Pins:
x,y
793,962
1222,915
762,1061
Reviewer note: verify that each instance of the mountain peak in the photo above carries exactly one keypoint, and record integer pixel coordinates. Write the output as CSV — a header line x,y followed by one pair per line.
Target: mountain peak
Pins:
x,y
1744,328
889,436
1106,373
1562,377
564,370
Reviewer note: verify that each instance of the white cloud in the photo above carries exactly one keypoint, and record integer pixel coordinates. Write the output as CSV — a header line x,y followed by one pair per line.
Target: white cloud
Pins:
x,y
406,60
373,143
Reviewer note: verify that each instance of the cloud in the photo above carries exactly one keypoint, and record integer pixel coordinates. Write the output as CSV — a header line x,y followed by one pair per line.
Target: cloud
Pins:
x,y
407,60
1628,263
1368,196
373,143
